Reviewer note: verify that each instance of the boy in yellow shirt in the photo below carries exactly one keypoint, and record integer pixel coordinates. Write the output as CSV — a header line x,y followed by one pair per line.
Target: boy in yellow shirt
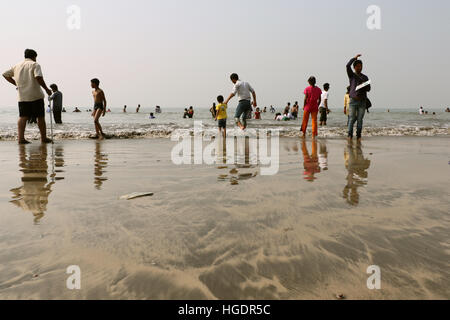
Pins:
x,y
221,115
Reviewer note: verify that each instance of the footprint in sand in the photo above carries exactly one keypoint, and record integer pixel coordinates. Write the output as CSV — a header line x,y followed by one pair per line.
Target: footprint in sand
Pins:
x,y
234,171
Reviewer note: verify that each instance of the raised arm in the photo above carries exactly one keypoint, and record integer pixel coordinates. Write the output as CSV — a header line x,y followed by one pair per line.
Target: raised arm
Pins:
x,y
350,72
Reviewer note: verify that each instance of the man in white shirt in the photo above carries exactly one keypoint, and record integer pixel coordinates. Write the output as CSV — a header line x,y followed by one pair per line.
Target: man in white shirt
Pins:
x,y
323,108
244,91
27,77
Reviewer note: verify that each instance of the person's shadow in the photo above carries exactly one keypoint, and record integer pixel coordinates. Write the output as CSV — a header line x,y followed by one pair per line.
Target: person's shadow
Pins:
x,y
37,181
357,167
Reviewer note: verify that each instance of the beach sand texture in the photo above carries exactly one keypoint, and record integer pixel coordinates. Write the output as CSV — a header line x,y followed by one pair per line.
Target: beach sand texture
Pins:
x,y
225,231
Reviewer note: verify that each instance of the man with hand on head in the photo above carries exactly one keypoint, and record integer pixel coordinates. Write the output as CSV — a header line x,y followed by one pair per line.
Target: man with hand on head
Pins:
x,y
358,97
27,77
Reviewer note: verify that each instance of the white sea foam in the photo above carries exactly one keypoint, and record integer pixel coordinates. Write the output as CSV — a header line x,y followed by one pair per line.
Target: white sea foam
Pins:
x,y
138,126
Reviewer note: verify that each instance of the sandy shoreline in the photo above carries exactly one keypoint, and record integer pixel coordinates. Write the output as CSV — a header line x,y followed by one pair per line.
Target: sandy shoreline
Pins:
x,y
225,231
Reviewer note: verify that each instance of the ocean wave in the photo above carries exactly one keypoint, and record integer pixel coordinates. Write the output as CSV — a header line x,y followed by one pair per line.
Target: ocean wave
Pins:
x,y
168,131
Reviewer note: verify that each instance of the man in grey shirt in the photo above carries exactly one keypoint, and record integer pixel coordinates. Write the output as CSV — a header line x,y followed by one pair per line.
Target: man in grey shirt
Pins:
x,y
57,98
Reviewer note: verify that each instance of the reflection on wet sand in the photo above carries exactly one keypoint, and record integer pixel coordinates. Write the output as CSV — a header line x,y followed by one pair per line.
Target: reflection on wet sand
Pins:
x,y
101,163
357,166
310,162
244,166
33,195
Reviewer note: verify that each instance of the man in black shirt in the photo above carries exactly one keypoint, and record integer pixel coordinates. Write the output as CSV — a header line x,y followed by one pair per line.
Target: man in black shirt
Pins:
x,y
358,98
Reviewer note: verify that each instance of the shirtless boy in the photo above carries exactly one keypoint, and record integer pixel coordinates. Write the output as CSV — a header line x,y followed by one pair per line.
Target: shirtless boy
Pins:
x,y
99,107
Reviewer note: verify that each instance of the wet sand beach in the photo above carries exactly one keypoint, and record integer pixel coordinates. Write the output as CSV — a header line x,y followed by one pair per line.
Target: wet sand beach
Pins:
x,y
226,231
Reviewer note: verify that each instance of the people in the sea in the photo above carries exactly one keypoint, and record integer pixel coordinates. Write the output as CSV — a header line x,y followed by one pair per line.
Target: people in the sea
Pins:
x,y
265,110
421,111
257,114
124,109
213,110
358,98
272,109
152,115
138,108
158,109
287,109
280,117
186,113
191,112
57,98
294,110
447,110
221,116
244,91
323,108
311,106
27,77
64,109
99,107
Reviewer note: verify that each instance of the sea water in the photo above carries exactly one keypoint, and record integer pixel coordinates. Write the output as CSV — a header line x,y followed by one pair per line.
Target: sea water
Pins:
x,y
379,122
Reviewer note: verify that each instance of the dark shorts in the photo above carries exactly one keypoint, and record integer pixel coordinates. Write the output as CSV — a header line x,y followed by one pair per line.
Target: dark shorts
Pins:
x,y
223,123
323,114
32,109
98,106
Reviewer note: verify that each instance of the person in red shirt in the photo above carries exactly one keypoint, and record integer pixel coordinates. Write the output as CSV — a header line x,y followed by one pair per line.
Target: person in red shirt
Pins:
x,y
311,106
257,114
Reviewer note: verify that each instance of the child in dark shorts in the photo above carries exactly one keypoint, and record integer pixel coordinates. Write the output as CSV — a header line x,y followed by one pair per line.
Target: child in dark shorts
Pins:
x,y
221,115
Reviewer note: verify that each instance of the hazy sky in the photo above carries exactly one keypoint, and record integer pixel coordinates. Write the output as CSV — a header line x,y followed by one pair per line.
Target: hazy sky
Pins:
x,y
178,53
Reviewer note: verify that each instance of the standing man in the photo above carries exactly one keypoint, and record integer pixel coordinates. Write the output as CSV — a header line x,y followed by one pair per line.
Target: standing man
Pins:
x,y
358,98
242,90
27,77
323,108
57,98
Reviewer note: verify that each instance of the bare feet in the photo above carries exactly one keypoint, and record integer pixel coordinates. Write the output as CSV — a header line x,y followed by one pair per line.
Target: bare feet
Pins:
x,y
47,140
24,142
